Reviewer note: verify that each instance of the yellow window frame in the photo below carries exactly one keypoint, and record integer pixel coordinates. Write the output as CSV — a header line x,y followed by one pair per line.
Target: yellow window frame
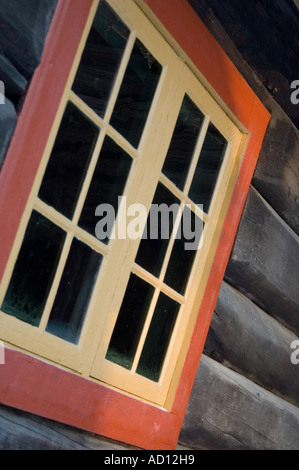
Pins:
x,y
88,357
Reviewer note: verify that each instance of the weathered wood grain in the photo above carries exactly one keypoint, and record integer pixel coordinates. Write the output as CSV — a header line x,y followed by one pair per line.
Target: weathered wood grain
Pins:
x,y
22,431
276,175
248,340
23,29
227,411
264,263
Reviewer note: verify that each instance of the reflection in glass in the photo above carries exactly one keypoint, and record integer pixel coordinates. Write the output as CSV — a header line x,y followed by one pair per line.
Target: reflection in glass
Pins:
x,y
130,322
158,230
34,270
69,161
108,183
208,168
74,292
158,337
136,94
183,143
184,251
101,59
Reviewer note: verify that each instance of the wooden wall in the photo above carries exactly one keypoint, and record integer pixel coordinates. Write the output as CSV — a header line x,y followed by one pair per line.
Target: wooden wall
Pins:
x,y
246,393
23,30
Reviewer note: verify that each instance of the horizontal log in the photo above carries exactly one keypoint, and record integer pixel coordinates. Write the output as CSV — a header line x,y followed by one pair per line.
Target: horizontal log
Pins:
x,y
8,121
276,175
264,263
248,340
23,431
23,29
229,412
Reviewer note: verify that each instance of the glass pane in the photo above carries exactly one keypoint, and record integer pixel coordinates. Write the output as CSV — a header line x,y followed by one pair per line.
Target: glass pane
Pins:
x,y
130,322
136,94
101,59
183,143
184,251
158,337
74,292
208,167
34,270
69,161
108,183
158,230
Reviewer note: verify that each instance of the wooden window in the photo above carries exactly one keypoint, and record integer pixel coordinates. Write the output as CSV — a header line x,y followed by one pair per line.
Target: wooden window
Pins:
x,y
135,123
62,280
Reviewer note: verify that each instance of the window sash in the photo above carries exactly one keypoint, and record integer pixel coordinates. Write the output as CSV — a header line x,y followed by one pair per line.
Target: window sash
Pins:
x,y
158,130
120,377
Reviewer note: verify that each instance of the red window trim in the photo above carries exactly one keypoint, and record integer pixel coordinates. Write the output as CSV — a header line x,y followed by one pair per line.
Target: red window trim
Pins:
x,y
35,386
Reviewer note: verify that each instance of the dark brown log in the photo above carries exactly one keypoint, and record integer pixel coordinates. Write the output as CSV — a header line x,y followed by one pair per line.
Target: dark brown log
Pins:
x,y
277,172
246,339
267,35
228,411
264,263
23,29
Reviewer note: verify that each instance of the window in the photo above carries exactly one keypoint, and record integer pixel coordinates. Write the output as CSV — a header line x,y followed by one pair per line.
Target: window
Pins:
x,y
124,303
115,299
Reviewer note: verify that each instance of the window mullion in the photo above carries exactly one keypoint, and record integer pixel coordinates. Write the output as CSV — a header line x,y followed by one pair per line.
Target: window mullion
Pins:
x,y
56,281
145,330
69,226
88,177
196,154
120,76
172,238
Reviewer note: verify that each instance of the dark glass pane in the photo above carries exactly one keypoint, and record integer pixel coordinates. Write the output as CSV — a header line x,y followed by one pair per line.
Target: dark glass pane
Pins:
x,y
69,161
183,143
184,251
158,337
158,230
208,167
130,322
107,185
75,289
34,270
136,94
100,59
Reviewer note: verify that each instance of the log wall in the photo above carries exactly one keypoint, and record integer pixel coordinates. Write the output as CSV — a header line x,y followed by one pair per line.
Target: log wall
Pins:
x,y
246,394
227,411
23,30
